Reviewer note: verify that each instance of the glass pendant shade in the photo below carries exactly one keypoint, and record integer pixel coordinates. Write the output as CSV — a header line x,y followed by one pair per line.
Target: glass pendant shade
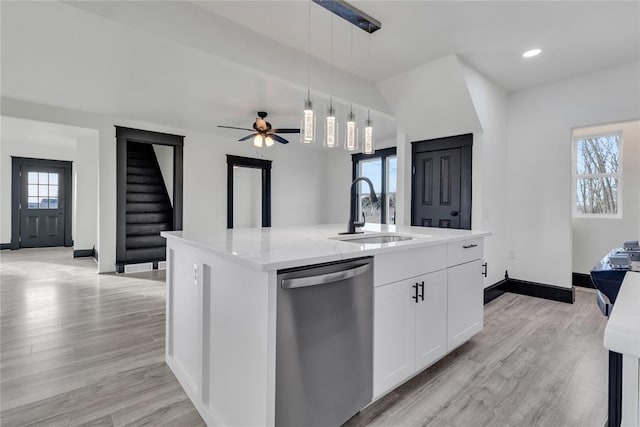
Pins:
x,y
268,141
308,126
351,133
367,143
331,129
257,141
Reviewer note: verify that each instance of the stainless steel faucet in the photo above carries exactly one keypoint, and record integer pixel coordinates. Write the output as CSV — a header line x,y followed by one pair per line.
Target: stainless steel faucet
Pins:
x,y
353,224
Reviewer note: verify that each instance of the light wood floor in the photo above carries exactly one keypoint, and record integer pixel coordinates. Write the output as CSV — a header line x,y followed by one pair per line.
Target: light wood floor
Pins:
x,y
79,348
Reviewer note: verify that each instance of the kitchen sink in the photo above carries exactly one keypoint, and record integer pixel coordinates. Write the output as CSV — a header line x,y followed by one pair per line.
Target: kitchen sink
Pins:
x,y
375,239
380,239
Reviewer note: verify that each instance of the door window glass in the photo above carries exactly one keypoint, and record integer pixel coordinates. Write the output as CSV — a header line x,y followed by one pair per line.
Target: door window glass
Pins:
x,y
42,190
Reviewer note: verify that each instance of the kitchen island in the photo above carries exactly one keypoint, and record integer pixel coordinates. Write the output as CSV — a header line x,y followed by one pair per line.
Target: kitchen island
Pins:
x,y
223,294
622,335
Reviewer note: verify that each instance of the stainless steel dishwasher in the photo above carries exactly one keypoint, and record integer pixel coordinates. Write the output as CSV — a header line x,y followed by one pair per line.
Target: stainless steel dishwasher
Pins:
x,y
324,353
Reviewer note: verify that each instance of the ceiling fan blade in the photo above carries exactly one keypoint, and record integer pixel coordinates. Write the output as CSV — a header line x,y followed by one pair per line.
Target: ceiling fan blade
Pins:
x,y
247,137
232,127
279,139
286,130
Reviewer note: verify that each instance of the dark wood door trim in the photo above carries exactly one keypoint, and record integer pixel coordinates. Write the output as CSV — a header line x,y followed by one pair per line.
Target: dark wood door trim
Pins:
x,y
248,162
123,136
17,163
465,143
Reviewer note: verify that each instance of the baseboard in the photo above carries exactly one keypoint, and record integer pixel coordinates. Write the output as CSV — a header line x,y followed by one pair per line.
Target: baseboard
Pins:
x,y
80,253
540,290
532,289
494,291
582,280
4,246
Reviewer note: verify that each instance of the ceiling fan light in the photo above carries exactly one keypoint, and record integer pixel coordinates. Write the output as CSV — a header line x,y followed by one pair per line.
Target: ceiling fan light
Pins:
x,y
268,141
257,141
308,126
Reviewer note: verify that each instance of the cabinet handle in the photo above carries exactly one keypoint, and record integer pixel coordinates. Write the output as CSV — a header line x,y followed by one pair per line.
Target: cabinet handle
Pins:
x,y
422,290
484,269
415,297
473,245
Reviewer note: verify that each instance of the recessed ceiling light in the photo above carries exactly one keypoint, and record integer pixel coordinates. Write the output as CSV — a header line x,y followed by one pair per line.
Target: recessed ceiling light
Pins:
x,y
531,53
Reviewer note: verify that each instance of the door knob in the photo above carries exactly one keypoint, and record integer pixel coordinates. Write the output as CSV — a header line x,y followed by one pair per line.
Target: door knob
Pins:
x,y
454,213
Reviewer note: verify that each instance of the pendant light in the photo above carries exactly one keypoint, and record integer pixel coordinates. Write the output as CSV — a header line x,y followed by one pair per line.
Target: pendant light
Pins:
x,y
308,125
367,143
331,124
351,130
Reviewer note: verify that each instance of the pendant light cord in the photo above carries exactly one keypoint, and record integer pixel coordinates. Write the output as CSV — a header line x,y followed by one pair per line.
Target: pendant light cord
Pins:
x,y
309,50
332,70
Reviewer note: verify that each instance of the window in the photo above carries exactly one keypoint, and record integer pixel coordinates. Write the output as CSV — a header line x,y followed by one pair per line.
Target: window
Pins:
x,y
381,168
42,190
597,170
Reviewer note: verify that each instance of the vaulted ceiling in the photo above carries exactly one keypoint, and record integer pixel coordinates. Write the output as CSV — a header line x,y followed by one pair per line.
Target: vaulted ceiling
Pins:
x,y
194,65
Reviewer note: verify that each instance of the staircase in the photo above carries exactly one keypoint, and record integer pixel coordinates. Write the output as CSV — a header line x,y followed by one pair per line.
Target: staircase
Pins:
x,y
149,209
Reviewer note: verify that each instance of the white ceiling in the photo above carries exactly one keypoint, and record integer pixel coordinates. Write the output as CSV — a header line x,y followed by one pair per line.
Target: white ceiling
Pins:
x,y
42,134
576,36
196,65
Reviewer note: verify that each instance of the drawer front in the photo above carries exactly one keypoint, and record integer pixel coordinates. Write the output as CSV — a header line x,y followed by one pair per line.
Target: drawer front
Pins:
x,y
395,266
464,251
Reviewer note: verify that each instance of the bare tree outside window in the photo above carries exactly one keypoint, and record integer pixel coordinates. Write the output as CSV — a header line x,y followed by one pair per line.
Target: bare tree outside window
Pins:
x,y
597,174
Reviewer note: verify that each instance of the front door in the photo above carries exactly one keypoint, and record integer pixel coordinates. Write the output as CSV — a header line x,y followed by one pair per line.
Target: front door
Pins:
x,y
42,206
442,183
40,203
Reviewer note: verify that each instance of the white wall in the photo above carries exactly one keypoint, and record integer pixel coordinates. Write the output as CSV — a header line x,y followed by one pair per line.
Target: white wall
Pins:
x,y
85,195
247,197
594,237
539,164
489,177
164,154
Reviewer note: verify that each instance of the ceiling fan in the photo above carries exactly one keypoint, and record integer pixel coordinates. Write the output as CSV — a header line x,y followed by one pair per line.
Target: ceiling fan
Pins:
x,y
262,132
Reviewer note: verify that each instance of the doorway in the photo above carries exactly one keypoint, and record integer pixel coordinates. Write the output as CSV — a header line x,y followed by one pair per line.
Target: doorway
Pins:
x,y
149,165
441,187
239,202
41,203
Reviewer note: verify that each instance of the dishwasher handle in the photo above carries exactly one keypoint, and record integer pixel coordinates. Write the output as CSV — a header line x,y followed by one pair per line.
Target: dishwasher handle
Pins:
x,y
323,279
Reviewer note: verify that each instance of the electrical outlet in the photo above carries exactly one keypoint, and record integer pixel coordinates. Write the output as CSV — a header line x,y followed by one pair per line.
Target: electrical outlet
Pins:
x,y
195,274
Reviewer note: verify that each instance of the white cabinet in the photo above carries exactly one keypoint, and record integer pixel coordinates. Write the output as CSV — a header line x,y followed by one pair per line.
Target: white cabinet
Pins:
x,y
394,335
418,320
409,328
431,320
465,295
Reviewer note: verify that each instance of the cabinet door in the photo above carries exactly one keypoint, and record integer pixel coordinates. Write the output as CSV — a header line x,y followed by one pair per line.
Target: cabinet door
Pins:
x,y
465,308
393,335
431,319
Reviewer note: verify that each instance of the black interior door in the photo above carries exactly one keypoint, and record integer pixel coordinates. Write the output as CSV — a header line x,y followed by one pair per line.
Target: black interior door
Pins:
x,y
441,193
42,207
438,189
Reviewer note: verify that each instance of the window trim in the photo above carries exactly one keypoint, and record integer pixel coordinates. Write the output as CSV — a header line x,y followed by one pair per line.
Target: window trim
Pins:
x,y
575,176
381,154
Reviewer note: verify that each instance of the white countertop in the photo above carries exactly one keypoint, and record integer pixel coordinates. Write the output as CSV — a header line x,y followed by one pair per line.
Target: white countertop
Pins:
x,y
269,249
622,333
